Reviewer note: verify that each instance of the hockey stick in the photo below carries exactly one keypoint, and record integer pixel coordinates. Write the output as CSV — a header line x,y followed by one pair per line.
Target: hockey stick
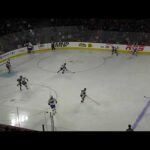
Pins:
x,y
93,100
67,71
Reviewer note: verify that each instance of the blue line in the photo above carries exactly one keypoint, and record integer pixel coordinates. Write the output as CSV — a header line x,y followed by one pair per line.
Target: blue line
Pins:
x,y
141,115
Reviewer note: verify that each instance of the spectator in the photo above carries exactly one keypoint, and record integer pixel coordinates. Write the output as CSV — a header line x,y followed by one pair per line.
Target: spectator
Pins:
x,y
129,128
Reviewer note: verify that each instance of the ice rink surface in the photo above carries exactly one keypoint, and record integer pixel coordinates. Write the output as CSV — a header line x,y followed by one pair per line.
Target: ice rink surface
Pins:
x,y
116,87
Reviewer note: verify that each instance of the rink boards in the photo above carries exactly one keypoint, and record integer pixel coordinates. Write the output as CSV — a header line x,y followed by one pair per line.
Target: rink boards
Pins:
x,y
101,47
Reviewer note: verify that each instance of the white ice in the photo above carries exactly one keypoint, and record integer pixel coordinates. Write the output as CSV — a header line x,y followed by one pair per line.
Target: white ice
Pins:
x,y
118,84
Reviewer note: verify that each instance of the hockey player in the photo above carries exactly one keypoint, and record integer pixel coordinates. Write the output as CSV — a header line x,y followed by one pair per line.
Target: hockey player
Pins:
x,y
52,46
115,50
8,65
63,68
24,82
30,47
134,51
52,103
83,95
129,128
20,82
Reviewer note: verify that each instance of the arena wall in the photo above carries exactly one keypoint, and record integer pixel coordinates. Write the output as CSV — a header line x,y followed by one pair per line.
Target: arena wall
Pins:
x,y
74,46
